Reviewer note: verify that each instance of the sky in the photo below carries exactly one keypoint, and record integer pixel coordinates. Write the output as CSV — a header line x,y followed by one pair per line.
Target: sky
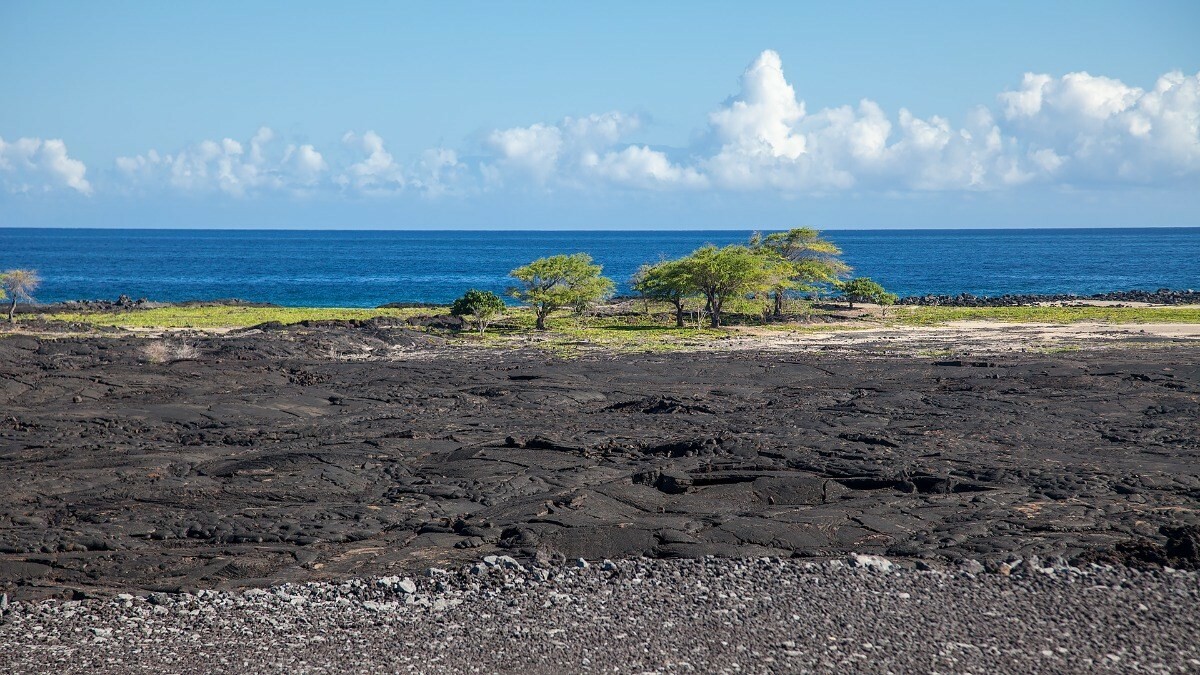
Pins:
x,y
638,115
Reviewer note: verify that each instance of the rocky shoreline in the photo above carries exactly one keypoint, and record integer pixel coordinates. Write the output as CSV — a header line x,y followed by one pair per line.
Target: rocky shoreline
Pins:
x,y
1162,296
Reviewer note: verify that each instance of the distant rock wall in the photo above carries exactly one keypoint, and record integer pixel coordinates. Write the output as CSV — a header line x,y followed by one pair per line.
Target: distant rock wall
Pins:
x,y
1163,296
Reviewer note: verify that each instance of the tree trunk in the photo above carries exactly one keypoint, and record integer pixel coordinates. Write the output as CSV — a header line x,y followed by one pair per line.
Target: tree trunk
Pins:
x,y
541,321
714,312
679,314
778,303
12,309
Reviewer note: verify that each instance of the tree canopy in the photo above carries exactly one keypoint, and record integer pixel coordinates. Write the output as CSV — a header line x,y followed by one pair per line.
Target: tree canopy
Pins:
x,y
668,281
730,271
547,284
808,260
481,306
863,289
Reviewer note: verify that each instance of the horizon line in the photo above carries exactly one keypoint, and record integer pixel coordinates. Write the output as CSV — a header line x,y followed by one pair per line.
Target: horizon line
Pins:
x,y
598,229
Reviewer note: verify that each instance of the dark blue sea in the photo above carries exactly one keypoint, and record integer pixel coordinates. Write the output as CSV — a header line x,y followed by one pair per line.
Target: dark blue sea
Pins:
x,y
369,268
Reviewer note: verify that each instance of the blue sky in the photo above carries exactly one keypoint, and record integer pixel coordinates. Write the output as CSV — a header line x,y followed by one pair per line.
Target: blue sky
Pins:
x,y
613,115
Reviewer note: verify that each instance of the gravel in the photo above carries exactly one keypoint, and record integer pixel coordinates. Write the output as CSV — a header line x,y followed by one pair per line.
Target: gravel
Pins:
x,y
710,615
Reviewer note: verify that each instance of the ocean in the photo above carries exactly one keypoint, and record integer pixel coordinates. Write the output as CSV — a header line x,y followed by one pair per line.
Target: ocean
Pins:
x,y
369,268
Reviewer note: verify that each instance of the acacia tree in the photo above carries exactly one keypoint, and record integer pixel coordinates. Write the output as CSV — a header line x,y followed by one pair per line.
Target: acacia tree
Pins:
x,y
668,281
863,289
547,284
811,259
482,306
724,273
18,285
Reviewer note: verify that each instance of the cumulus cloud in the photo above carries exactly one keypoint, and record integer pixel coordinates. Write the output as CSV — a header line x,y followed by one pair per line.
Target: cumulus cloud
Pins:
x,y
546,152
640,167
32,165
768,140
377,171
1096,129
436,172
228,166
1076,129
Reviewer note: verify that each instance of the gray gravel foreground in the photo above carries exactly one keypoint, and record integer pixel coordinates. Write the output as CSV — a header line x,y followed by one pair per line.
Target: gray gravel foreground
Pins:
x,y
711,615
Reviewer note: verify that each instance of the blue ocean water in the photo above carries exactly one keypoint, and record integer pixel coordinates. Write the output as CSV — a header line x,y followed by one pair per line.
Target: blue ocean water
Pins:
x,y
368,268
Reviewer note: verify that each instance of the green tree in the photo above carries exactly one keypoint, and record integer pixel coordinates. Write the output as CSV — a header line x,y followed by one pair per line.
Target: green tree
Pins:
x,y
885,300
863,289
481,306
18,285
809,259
732,271
547,284
668,281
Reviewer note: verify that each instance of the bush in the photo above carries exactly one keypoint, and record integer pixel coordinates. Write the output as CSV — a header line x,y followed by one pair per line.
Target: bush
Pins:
x,y
863,289
481,306
161,351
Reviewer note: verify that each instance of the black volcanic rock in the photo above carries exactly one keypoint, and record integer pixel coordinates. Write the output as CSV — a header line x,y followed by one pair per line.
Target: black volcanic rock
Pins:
x,y
358,447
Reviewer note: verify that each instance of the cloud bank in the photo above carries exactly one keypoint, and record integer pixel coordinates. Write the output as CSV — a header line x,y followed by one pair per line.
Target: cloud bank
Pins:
x,y
1077,130
30,165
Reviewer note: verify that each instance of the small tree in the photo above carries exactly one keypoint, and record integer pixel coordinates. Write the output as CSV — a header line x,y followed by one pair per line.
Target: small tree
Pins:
x,y
590,291
724,273
482,306
862,289
668,281
886,300
812,260
18,285
559,281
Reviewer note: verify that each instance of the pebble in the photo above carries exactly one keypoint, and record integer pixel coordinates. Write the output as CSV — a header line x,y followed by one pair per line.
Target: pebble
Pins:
x,y
711,615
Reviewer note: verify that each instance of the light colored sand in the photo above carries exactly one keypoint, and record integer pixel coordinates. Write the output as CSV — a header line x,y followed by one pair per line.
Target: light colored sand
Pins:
x,y
963,336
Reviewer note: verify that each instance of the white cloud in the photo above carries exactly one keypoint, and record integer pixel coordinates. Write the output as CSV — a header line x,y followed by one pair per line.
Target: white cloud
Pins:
x,y
554,152
640,167
1099,130
439,172
533,149
767,140
1076,129
226,166
306,164
33,165
377,172
761,121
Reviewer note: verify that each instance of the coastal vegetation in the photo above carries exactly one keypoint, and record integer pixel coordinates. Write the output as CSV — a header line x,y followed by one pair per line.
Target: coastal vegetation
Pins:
x,y
775,265
480,307
559,281
18,285
805,260
781,282
863,289
669,281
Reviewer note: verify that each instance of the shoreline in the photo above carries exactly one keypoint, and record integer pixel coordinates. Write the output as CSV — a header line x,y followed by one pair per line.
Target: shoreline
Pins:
x,y
1135,297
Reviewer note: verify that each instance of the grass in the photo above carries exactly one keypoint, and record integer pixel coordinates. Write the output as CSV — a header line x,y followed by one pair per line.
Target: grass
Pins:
x,y
934,316
224,317
629,331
